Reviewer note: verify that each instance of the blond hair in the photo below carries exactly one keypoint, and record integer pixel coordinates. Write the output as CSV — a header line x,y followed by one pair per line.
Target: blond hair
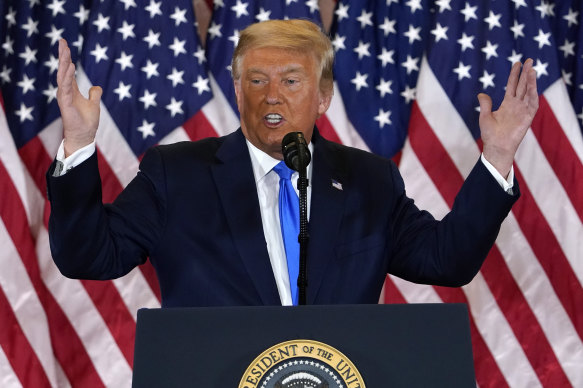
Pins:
x,y
295,35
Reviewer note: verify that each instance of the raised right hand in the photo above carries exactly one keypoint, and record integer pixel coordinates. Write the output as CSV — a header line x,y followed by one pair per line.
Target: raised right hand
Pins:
x,y
80,115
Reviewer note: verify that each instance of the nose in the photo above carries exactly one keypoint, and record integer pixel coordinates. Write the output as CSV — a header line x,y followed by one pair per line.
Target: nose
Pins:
x,y
273,97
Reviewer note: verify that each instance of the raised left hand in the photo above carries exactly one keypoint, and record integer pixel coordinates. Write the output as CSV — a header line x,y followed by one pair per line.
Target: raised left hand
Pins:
x,y
503,130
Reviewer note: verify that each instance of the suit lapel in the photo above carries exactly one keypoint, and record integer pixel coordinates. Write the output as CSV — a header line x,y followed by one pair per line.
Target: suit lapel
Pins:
x,y
238,195
327,204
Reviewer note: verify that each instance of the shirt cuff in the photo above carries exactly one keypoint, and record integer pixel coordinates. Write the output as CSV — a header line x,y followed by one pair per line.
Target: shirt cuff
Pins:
x,y
506,184
73,160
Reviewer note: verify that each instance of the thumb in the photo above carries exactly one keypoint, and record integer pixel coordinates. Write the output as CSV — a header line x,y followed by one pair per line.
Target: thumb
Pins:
x,y
485,104
95,93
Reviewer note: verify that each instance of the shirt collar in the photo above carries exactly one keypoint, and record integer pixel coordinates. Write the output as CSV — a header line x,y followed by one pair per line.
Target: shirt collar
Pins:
x,y
263,163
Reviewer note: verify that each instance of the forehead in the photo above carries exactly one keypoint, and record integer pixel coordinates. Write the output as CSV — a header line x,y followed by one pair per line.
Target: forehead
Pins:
x,y
273,59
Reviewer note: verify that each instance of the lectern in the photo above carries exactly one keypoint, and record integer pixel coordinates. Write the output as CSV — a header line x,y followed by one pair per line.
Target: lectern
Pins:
x,y
375,346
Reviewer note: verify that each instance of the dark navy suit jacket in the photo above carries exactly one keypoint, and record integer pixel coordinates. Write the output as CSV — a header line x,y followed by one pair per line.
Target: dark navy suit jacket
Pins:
x,y
193,210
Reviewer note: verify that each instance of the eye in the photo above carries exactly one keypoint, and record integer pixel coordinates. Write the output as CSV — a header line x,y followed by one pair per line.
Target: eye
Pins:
x,y
290,81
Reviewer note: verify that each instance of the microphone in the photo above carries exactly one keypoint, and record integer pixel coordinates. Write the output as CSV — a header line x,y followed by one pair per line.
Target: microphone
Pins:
x,y
295,151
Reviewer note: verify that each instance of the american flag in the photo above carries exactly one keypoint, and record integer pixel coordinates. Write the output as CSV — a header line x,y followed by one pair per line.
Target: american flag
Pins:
x,y
407,75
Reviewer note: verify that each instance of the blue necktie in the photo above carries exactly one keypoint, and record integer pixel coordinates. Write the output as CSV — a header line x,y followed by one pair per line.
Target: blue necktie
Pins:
x,y
289,218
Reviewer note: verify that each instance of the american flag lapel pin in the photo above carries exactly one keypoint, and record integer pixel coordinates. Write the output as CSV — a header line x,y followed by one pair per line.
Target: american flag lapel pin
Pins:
x,y
337,185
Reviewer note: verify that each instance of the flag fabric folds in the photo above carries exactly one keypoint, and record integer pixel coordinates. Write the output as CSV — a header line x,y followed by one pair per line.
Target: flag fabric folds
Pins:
x,y
407,75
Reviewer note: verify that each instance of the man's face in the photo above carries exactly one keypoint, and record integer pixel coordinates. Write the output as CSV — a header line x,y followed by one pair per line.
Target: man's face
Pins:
x,y
278,93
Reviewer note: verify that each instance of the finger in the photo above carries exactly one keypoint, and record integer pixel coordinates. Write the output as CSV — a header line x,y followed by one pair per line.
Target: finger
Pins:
x,y
485,104
95,94
64,60
531,90
513,80
522,82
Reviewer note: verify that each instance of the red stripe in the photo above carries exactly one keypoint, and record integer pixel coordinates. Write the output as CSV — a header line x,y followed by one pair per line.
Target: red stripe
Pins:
x,y
327,130
560,153
392,293
37,161
198,127
511,301
71,354
550,255
20,354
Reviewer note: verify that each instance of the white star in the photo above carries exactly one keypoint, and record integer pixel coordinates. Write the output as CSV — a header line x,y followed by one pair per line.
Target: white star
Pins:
x,y
240,9
540,68
384,87
386,56
11,17
566,77
571,17
312,5
51,93
389,2
388,26
147,129
490,50
466,42
151,69
125,61
7,46
542,39
79,43
410,64
443,5
99,53
515,57
82,15
28,55
364,19
57,7
27,84
148,99
493,20
263,15
487,80
517,29
154,8
153,39
55,34
439,32
52,64
235,38
127,30
546,9
128,3
178,47
462,71
469,12
123,91
338,42
5,74
202,85
219,4
568,48
179,16
409,94
199,54
342,11
288,2
581,116
176,77
413,34
30,27
25,113
362,49
360,81
215,30
175,107
414,5
102,23
383,118
519,3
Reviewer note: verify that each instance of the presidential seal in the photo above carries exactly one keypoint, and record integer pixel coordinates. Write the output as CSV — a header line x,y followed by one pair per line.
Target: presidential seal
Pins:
x,y
301,364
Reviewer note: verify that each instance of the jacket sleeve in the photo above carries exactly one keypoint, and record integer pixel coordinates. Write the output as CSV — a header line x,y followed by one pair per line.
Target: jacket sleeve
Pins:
x,y
90,240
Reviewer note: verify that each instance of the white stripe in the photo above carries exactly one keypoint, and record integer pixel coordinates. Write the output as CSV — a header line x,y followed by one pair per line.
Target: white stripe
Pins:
x,y
109,139
8,378
51,137
23,300
136,292
336,114
553,201
558,99
218,111
101,347
177,135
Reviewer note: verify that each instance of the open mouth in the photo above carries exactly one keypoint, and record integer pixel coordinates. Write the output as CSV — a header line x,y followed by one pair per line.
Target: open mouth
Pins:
x,y
273,119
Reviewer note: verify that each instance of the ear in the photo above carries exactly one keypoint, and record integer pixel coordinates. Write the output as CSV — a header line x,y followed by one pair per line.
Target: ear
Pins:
x,y
324,103
238,94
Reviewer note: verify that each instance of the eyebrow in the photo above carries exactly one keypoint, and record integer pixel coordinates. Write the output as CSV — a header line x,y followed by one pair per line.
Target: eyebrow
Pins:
x,y
293,68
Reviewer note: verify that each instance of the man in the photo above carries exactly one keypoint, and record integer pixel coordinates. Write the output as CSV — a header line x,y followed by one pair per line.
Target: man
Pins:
x,y
206,213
